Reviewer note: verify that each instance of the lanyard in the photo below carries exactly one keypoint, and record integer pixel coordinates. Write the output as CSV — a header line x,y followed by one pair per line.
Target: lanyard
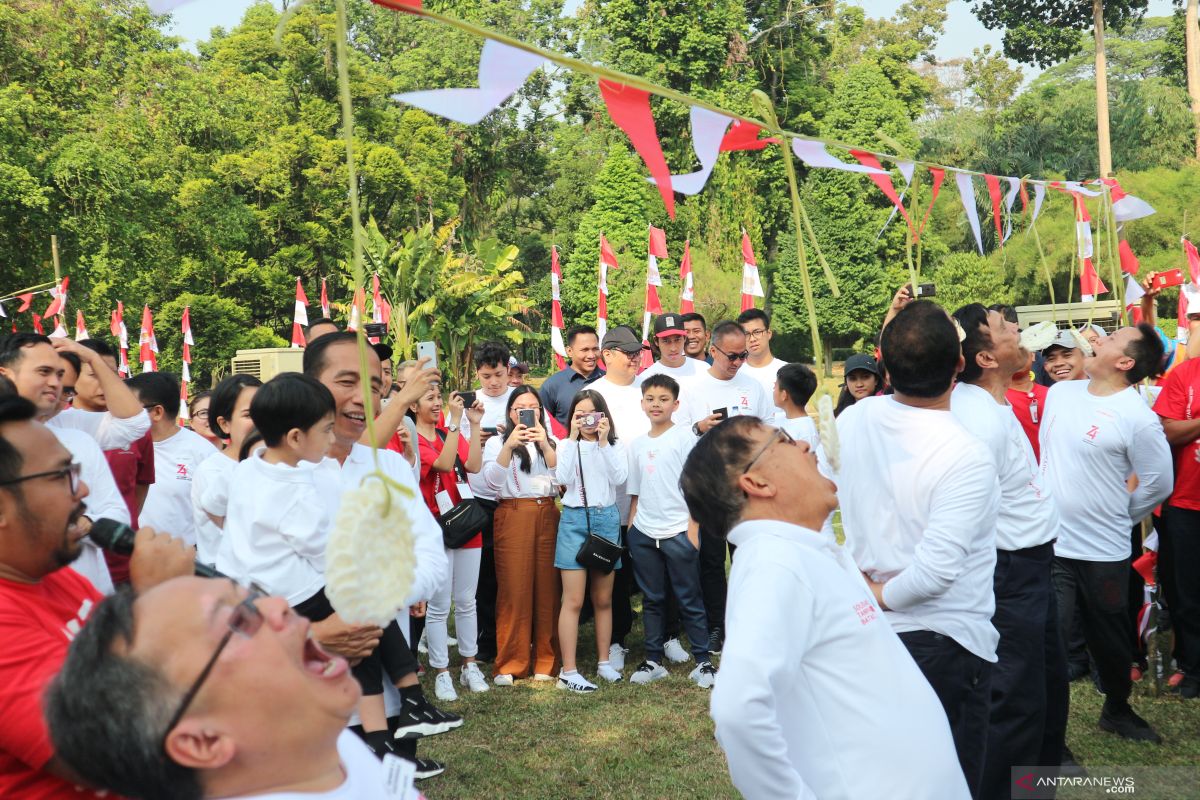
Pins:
x,y
1033,407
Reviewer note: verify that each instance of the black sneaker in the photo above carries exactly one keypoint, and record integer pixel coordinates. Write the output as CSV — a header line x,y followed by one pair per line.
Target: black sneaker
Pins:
x,y
1069,766
1188,688
716,640
379,742
428,768
1128,725
418,718
450,720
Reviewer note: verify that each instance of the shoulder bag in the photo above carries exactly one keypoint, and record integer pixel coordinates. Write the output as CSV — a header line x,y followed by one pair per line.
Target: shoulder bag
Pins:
x,y
597,552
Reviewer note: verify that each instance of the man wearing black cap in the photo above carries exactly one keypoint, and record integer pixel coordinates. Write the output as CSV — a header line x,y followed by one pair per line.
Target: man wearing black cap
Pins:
x,y
673,361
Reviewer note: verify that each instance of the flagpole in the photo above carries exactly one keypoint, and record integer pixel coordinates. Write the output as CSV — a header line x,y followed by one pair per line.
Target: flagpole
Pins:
x,y
54,257
40,287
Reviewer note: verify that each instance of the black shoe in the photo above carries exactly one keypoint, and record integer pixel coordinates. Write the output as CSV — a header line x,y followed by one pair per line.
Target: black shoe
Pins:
x,y
1188,688
379,742
1128,725
450,720
1069,767
418,718
428,768
716,641
1077,671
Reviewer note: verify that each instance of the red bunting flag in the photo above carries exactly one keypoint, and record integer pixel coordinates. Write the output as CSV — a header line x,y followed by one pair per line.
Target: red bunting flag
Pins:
x,y
687,290
1193,260
629,109
185,325
1090,284
299,316
607,259
59,303
26,299
324,300
147,344
939,175
81,331
994,194
656,248
37,324
1129,262
884,181
743,135
381,309
751,284
556,317
116,326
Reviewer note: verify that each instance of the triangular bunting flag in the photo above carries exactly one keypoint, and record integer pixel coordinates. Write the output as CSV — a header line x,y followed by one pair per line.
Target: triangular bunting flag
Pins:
x,y
629,109
502,71
751,284
687,290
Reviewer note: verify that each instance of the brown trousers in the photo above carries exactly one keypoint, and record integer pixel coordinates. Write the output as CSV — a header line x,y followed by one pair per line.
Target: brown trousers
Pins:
x,y
528,587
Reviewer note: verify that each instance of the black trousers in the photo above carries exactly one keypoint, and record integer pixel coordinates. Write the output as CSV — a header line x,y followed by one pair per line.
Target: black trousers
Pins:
x,y
1100,590
1028,722
713,583
485,591
1179,571
962,681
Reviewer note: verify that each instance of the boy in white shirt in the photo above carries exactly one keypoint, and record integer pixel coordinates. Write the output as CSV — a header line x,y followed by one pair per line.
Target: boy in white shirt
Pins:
x,y
663,541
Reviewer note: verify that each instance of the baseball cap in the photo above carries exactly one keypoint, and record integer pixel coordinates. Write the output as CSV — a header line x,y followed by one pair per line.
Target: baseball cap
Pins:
x,y
668,325
862,361
1065,340
622,338
384,351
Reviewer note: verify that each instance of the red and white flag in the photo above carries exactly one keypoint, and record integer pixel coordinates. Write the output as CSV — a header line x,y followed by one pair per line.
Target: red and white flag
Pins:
x,y
147,344
324,300
299,316
356,310
966,193
1126,207
81,331
607,259
116,327
1083,228
381,309
751,283
556,317
185,326
37,323
656,249
1090,284
59,303
687,290
60,330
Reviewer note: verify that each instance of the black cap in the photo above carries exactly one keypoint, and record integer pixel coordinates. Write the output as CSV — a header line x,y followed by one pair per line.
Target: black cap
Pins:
x,y
669,325
862,361
622,338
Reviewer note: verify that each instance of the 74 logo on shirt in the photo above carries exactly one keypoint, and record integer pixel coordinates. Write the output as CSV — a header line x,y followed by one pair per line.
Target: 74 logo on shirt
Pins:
x,y
1092,432
181,472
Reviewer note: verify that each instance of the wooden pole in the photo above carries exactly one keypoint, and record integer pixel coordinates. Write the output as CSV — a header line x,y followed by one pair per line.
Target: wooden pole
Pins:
x,y
54,257
1192,49
1102,91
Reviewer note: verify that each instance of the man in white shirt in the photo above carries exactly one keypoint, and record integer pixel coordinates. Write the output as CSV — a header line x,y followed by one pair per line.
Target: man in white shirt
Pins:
x,y
1029,682
919,500
793,718
120,420
762,365
178,453
696,330
668,330
1094,436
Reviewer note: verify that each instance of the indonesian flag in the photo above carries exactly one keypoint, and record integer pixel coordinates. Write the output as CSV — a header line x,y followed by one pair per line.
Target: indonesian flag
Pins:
x,y
324,300
116,327
1129,262
1090,284
381,311
1126,207
147,344
751,284
299,316
656,249
59,293
356,310
186,373
687,291
81,331
556,318
607,259
1083,228
1189,293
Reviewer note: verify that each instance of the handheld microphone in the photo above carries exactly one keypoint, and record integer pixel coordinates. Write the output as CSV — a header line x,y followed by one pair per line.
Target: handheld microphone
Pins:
x,y
117,537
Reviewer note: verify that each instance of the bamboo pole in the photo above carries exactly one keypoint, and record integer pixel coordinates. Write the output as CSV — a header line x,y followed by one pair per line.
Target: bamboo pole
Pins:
x,y
39,287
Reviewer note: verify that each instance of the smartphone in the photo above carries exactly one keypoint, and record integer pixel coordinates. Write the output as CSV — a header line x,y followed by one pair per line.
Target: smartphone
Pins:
x,y
923,290
1170,277
468,399
429,349
491,430
527,417
723,413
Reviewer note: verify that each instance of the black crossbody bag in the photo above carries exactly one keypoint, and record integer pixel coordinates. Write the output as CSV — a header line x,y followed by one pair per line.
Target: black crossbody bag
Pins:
x,y
466,518
597,552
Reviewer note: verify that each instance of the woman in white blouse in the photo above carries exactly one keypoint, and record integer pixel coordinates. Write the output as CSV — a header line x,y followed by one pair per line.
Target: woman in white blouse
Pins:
x,y
519,465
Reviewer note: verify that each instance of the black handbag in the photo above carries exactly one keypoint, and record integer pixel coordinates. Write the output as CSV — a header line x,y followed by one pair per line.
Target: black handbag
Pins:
x,y
596,552
466,518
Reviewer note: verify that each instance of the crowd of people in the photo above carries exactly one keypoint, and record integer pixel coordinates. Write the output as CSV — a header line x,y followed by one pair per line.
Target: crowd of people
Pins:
x,y
991,502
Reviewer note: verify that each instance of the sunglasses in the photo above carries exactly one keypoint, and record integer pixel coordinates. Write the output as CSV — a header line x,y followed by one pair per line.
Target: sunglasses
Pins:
x,y
742,356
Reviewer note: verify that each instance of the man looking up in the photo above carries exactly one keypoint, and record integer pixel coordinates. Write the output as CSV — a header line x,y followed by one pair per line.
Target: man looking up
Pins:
x,y
1101,430
762,365
919,503
583,351
1029,681
696,331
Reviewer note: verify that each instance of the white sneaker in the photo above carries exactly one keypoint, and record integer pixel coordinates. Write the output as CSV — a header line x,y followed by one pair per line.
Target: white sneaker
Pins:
x,y
675,653
542,677
472,678
576,683
503,679
606,672
648,672
705,675
443,687
422,644
451,641
616,657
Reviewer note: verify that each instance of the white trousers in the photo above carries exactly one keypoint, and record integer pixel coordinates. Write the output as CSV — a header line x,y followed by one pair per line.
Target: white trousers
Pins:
x,y
459,586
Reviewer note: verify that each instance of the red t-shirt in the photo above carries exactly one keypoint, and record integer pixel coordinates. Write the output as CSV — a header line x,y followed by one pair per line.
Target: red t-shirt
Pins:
x,y
1180,399
1029,407
37,623
448,481
131,467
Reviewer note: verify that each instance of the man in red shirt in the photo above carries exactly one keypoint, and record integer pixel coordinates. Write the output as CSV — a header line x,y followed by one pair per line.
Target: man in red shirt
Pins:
x,y
42,605
1178,406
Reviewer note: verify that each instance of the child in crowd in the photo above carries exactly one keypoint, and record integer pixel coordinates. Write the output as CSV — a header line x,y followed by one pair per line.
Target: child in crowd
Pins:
x,y
591,466
663,540
794,387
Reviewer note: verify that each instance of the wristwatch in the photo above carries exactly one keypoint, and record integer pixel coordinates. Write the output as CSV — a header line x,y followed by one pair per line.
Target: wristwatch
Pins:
x,y
452,428
696,429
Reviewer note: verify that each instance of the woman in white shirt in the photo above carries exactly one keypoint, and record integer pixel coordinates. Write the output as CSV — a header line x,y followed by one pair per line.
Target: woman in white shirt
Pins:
x,y
519,466
591,466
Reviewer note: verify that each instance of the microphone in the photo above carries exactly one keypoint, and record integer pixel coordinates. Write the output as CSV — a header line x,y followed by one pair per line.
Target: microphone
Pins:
x,y
117,537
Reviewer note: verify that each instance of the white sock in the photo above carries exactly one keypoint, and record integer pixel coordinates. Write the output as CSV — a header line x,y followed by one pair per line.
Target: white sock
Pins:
x,y
602,664
569,674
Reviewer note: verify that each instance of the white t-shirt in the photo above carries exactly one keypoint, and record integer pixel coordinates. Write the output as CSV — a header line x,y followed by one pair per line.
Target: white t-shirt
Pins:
x,y
624,408
276,529
604,471
739,395
493,417
793,722
919,500
109,432
168,506
683,376
765,375
1090,446
513,482
655,464
210,495
1027,516
367,778
104,501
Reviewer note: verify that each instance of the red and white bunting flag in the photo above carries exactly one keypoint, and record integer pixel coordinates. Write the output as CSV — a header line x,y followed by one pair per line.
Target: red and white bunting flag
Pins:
x,y
1083,229
1133,291
502,71
324,300
709,139
939,175
1193,260
147,344
629,109
1090,284
1129,262
814,154
60,329
751,284
687,291
884,181
994,194
185,325
556,317
37,323
1126,207
966,193
655,249
116,327
381,309
299,316
607,259
81,331
59,303
356,310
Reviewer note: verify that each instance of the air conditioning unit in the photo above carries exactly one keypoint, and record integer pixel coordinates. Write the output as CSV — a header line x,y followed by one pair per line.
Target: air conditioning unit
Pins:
x,y
266,362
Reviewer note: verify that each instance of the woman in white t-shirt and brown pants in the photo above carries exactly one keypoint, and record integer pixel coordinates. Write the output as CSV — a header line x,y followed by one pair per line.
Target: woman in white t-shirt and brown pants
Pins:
x,y
519,465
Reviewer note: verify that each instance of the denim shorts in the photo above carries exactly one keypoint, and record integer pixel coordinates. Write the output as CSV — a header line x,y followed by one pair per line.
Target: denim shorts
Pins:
x,y
572,532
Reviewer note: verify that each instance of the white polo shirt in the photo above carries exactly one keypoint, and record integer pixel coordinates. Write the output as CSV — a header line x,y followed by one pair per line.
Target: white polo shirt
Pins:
x,y
739,395
816,696
168,506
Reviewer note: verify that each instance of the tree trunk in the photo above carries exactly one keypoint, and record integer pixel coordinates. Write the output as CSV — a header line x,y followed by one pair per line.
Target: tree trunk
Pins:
x,y
1192,38
1101,91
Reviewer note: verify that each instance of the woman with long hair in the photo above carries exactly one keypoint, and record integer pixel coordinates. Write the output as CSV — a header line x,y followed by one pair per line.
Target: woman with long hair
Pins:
x,y
862,380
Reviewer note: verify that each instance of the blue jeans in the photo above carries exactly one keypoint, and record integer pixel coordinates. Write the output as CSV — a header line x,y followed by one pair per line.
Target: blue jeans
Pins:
x,y
653,561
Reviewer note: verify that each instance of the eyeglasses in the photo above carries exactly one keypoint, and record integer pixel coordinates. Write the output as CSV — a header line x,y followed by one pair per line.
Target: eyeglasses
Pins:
x,y
70,472
742,356
245,620
69,393
202,414
754,336
780,436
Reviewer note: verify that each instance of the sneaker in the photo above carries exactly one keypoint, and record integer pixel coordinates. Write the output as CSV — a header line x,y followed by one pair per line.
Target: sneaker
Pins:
x,y
606,672
648,672
443,687
675,653
472,677
542,677
704,675
616,657
503,680
419,718
1175,679
428,768
576,683
1136,673
716,640
451,641
1128,725
379,742
422,645
1188,688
